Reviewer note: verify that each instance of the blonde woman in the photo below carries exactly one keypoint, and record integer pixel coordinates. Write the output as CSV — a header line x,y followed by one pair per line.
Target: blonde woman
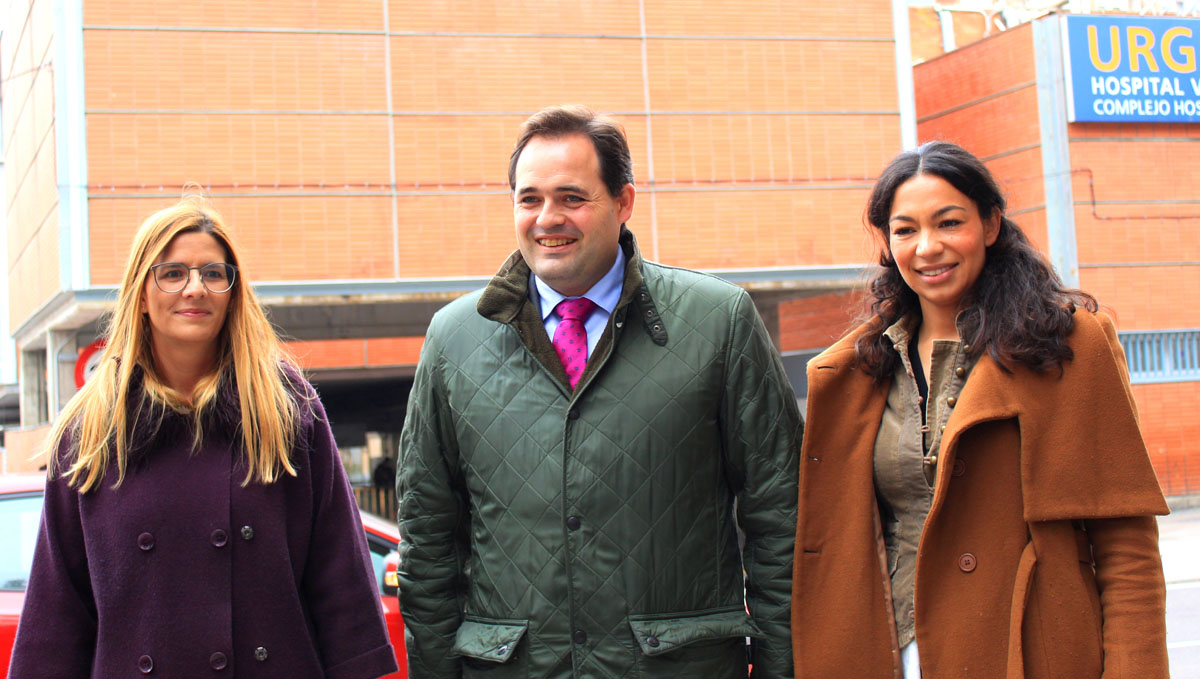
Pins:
x,y
197,519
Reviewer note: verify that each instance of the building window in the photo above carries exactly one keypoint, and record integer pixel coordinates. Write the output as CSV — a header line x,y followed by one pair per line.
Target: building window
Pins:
x,y
1162,355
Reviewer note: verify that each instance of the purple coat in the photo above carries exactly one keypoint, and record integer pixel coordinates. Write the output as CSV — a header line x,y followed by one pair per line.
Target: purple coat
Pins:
x,y
182,572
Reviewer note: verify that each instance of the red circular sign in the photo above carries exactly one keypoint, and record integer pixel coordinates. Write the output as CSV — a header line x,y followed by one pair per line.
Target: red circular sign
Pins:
x,y
88,361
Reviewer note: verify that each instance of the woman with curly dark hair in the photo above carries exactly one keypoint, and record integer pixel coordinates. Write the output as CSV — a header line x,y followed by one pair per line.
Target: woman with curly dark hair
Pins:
x,y
974,482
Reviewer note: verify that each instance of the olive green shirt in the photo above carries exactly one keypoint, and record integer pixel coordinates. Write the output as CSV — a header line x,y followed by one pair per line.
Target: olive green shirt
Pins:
x,y
906,457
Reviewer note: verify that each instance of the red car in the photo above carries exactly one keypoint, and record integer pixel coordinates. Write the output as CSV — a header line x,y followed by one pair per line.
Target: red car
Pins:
x,y
20,516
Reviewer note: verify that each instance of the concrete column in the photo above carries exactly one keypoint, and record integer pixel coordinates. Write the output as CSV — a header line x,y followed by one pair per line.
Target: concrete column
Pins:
x,y
33,387
60,369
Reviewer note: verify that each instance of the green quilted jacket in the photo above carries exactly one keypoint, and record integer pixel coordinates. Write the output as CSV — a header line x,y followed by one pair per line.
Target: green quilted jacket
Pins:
x,y
595,534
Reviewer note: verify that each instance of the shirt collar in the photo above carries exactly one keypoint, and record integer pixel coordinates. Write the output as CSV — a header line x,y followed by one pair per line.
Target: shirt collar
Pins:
x,y
605,293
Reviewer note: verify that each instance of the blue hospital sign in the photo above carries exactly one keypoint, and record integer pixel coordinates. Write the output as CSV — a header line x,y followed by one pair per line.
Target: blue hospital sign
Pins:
x,y
1131,69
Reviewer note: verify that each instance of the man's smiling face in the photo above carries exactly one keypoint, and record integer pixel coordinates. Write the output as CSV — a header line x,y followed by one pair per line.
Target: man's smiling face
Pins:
x,y
567,223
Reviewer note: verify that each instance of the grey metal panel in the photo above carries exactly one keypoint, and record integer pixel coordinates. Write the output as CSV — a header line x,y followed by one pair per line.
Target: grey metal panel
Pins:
x,y
1056,152
70,130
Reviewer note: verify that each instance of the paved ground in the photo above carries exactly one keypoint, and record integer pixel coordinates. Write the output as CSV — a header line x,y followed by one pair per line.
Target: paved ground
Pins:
x,y
1179,542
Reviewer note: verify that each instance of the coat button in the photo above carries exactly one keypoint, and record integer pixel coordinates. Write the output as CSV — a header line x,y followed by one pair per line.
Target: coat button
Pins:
x,y
967,562
573,414
960,371
580,637
260,654
652,642
950,401
573,522
217,661
146,543
219,538
247,533
960,468
145,664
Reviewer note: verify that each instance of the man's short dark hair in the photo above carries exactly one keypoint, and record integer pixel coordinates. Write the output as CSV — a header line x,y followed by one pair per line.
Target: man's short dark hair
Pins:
x,y
607,135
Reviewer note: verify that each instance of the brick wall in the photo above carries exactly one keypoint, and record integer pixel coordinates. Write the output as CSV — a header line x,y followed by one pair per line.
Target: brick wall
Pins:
x,y
817,322
31,217
300,121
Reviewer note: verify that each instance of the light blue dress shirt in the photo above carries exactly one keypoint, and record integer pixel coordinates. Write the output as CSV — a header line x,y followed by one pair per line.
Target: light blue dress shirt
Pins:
x,y
605,294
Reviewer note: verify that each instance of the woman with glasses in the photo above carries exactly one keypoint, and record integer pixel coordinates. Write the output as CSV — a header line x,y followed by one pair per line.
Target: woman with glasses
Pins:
x,y
197,518
975,497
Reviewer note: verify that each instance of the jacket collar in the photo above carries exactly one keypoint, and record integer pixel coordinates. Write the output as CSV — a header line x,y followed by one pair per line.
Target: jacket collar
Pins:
x,y
1063,436
152,424
508,291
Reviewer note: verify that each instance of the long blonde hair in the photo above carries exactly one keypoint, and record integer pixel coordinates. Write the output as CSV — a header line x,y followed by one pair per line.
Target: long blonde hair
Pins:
x,y
95,421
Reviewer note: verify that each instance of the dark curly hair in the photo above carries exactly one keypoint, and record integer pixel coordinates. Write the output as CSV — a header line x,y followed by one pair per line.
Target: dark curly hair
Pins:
x,y
1019,311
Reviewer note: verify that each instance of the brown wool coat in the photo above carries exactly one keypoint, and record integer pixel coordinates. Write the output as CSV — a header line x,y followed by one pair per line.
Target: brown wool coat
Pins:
x,y
1040,476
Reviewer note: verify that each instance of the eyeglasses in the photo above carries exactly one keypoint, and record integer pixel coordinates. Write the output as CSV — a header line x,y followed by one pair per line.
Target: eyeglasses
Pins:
x,y
217,277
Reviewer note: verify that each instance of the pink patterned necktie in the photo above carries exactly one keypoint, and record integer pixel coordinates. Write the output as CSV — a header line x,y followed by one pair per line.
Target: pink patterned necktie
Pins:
x,y
570,338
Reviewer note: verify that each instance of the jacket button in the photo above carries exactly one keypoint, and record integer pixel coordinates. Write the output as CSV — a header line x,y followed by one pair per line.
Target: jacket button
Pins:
x,y
967,347
656,327
967,562
652,642
960,468
145,664
146,543
931,460
573,414
217,661
219,538
960,371
580,637
950,401
649,313
573,522
247,533
260,654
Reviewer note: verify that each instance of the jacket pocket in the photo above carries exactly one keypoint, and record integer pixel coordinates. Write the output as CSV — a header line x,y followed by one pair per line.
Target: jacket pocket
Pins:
x,y
488,640
658,635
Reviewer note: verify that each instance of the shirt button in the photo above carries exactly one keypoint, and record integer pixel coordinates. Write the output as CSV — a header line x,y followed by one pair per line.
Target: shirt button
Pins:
x,y
966,347
573,414
967,562
951,400
573,522
960,468
260,654
247,533
145,664
580,637
146,543
960,371
217,661
219,538
652,642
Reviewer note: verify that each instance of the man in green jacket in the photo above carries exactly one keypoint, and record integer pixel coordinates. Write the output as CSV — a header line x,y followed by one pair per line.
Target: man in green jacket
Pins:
x,y
585,440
